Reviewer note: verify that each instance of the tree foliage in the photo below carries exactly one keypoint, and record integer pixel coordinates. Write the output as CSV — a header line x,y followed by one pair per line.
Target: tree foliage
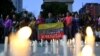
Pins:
x,y
6,6
54,7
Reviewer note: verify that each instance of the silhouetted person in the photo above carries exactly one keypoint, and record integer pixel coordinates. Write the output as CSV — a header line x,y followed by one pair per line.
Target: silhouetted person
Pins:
x,y
68,23
7,25
50,19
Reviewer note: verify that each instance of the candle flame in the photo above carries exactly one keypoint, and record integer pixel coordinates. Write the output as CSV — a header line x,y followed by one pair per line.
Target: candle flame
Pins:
x,y
78,35
89,31
24,33
88,49
19,42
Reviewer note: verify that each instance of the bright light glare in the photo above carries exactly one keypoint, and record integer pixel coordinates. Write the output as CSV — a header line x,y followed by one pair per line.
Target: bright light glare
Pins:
x,y
87,51
24,33
78,35
89,31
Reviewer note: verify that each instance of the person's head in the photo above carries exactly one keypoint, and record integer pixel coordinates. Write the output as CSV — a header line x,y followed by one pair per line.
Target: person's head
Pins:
x,y
76,15
24,15
1,16
32,18
68,14
63,15
7,17
49,14
14,16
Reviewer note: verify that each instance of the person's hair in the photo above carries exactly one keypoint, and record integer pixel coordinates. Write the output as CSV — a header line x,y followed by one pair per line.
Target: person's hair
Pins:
x,y
69,13
76,14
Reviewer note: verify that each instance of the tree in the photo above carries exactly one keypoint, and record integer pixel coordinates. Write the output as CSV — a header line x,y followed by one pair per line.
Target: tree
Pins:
x,y
6,6
54,7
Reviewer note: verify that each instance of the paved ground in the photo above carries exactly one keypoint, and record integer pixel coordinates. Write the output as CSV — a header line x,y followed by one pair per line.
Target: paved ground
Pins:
x,y
40,51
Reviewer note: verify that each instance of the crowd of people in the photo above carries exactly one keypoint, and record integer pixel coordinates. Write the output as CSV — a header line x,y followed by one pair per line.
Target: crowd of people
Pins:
x,y
73,23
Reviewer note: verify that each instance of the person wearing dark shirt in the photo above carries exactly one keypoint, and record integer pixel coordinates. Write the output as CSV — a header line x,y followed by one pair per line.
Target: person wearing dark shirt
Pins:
x,y
7,26
1,21
50,19
75,24
40,20
68,23
1,28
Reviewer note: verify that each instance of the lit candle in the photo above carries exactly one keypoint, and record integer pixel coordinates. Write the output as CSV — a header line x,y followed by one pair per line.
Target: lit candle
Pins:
x,y
54,47
34,46
6,45
57,47
19,42
90,39
41,43
68,43
73,46
64,45
88,49
51,46
73,42
46,47
77,44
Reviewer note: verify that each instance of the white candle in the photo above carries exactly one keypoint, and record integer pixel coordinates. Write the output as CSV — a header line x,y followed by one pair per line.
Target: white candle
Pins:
x,y
54,47
6,45
88,49
34,46
77,44
68,43
57,47
64,45
41,43
19,42
73,42
90,39
46,47
51,46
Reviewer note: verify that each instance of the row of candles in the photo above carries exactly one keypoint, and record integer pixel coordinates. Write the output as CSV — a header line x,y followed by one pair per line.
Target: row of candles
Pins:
x,y
20,45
